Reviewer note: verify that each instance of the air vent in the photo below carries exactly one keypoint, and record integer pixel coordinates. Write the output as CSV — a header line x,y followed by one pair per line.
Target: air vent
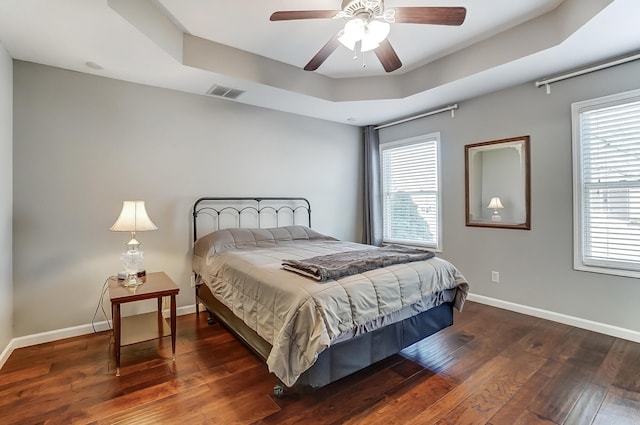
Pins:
x,y
226,92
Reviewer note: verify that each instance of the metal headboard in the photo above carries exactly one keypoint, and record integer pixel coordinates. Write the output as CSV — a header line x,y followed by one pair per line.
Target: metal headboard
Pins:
x,y
258,211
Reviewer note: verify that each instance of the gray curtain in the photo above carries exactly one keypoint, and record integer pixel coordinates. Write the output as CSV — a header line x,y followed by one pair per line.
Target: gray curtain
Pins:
x,y
372,189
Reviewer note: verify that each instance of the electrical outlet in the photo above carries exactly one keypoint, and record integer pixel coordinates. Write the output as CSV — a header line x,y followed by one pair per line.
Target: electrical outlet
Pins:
x,y
495,277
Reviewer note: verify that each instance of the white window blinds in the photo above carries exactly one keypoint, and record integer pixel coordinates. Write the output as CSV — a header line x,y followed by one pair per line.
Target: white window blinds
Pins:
x,y
410,185
607,184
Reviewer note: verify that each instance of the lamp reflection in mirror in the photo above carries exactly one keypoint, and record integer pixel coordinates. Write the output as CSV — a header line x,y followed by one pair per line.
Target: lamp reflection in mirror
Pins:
x,y
133,218
495,204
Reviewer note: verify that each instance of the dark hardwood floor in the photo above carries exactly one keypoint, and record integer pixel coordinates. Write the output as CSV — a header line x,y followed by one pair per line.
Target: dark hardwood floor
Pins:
x,y
491,367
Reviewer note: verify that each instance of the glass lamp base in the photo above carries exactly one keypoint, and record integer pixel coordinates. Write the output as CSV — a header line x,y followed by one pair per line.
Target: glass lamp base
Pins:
x,y
132,260
132,280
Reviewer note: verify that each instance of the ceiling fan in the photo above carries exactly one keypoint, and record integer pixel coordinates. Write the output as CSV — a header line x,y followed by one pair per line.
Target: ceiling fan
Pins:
x,y
367,27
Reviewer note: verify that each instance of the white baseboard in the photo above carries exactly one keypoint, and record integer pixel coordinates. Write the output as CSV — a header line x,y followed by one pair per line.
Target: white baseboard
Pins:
x,y
614,331
40,338
589,325
6,353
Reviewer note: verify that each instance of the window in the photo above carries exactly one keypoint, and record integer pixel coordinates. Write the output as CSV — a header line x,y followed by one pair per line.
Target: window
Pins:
x,y
606,157
410,189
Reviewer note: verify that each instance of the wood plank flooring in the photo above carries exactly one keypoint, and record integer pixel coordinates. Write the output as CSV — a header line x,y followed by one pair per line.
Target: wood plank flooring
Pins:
x,y
491,367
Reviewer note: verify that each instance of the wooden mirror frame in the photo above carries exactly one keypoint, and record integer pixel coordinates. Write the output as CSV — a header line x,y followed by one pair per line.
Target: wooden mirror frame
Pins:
x,y
513,192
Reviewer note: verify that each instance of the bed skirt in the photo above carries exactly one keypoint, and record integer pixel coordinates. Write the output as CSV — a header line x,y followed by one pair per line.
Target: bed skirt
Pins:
x,y
346,357
350,356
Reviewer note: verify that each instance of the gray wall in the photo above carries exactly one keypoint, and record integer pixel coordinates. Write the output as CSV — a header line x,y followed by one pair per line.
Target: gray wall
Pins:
x,y
535,266
83,144
6,197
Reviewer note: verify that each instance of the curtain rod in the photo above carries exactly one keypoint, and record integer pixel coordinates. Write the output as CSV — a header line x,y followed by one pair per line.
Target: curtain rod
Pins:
x,y
426,114
586,71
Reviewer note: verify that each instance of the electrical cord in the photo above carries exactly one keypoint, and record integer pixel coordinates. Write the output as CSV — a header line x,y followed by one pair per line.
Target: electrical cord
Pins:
x,y
100,306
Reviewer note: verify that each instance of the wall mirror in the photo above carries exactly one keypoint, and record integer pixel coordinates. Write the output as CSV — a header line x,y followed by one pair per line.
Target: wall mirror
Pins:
x,y
497,184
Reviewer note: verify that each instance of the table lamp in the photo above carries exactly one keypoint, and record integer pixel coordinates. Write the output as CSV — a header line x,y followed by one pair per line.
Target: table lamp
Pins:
x,y
133,218
495,204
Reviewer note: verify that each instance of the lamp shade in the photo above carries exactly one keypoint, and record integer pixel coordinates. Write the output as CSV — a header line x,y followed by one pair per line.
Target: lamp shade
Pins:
x,y
495,203
133,218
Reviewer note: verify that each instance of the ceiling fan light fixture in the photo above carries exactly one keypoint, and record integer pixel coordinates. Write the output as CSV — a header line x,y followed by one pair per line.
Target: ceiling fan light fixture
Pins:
x,y
372,4
354,31
370,34
375,34
355,28
368,44
346,41
389,15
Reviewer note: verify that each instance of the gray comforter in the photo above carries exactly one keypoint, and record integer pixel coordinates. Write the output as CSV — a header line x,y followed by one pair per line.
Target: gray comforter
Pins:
x,y
298,316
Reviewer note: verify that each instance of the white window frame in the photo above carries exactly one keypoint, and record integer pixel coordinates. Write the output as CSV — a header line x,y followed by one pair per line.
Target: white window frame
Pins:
x,y
580,260
435,137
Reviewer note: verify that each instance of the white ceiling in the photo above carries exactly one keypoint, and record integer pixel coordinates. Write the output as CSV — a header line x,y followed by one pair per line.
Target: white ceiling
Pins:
x,y
190,45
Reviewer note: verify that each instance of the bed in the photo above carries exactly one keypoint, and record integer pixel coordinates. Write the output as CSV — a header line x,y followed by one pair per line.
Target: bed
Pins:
x,y
313,330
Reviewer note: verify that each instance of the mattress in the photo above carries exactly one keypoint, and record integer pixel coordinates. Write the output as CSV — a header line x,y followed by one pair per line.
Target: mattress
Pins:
x,y
301,317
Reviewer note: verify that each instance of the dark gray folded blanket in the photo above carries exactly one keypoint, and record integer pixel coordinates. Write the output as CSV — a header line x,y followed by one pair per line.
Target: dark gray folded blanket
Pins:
x,y
341,264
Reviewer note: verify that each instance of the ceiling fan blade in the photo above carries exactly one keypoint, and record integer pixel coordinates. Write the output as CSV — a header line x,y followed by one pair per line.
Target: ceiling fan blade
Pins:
x,y
289,15
323,54
431,15
388,56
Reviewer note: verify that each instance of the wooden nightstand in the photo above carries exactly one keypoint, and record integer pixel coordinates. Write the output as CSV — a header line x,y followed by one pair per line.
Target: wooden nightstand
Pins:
x,y
148,326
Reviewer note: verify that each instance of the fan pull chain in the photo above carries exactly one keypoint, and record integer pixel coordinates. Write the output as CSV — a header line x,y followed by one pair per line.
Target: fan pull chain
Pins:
x,y
364,64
